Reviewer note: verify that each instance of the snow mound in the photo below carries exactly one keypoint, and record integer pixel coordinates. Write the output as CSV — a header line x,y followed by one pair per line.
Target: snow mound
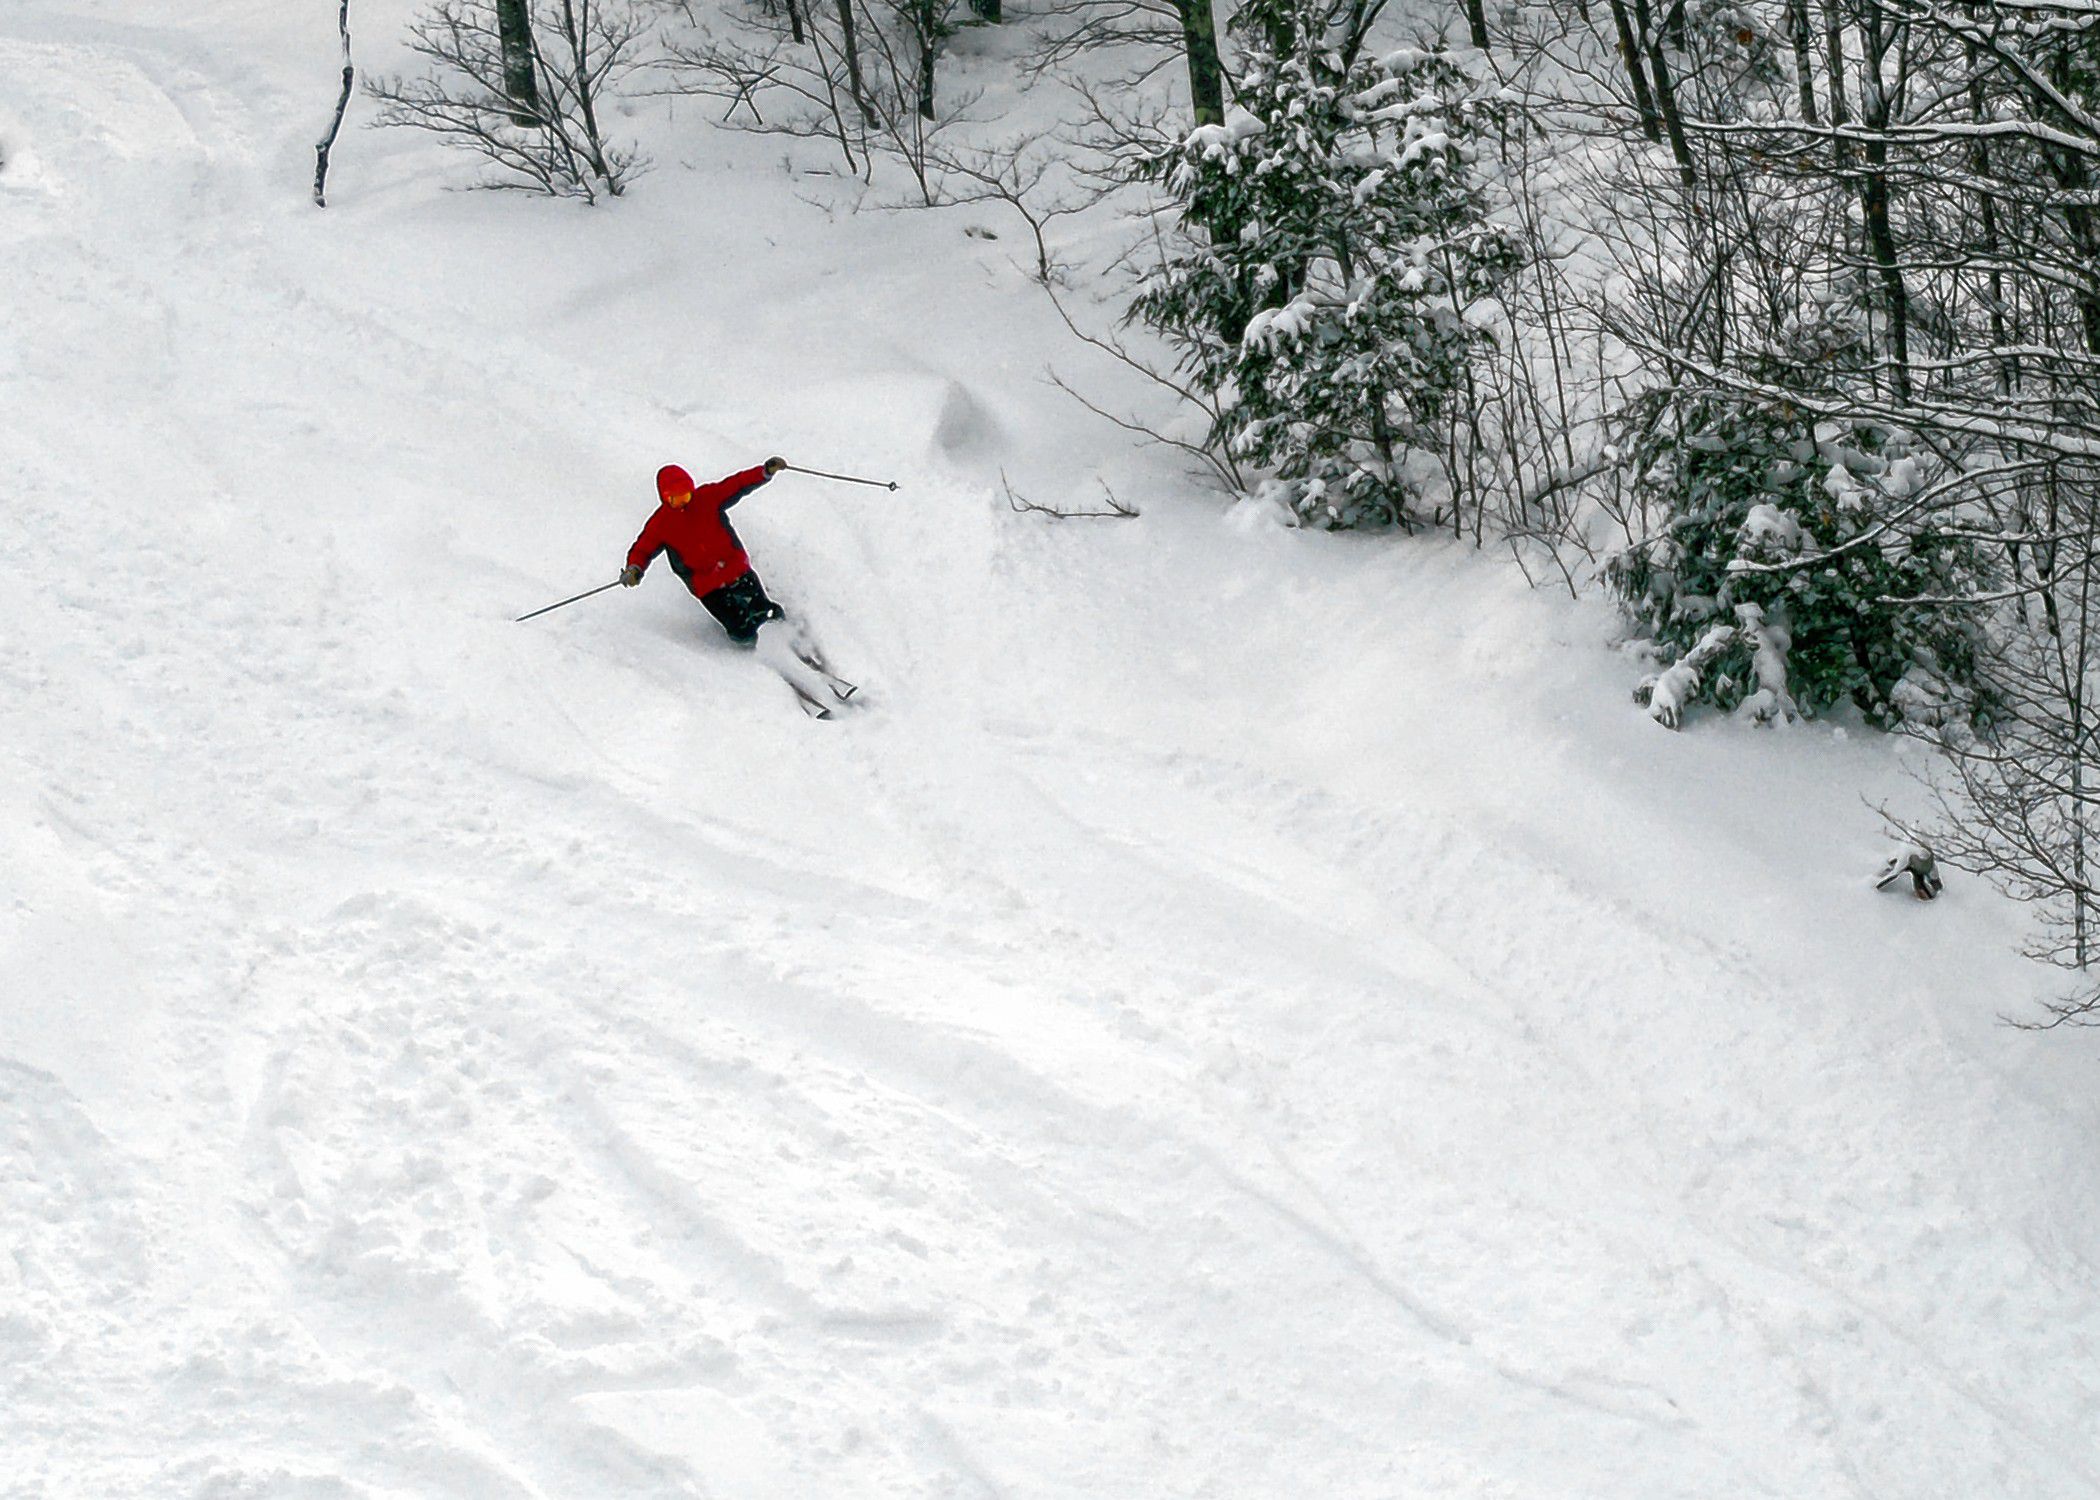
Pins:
x,y
963,425
911,416
96,102
20,172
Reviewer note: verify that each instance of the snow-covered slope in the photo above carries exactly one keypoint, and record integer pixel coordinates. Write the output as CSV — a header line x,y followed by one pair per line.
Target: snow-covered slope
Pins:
x,y
1242,1014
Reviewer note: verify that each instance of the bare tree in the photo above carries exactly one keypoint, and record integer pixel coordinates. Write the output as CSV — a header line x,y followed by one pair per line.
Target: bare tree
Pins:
x,y
863,80
771,83
581,51
2019,803
1156,34
1206,405
1030,175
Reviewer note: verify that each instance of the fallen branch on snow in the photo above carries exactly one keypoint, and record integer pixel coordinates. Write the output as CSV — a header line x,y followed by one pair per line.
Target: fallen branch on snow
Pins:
x,y
1022,505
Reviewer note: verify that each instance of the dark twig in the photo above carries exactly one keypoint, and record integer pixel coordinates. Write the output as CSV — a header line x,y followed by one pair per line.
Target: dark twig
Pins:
x,y
1021,505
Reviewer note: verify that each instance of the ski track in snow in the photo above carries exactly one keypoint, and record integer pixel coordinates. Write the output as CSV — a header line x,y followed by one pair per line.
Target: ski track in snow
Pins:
x,y
447,1060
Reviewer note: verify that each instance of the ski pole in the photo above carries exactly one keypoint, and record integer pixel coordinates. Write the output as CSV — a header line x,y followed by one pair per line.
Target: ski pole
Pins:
x,y
601,588
880,484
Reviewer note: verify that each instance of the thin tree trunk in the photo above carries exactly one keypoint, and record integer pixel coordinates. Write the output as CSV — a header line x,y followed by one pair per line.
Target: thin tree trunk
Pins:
x,y
2085,234
1834,65
586,104
342,103
1881,243
1207,100
1665,90
1199,35
1875,109
1477,22
850,44
2075,181
1987,214
794,10
2080,747
520,83
927,22
1803,37
1637,71
1381,426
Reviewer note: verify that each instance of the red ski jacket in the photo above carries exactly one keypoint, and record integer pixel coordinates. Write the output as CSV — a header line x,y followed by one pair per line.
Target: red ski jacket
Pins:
x,y
704,550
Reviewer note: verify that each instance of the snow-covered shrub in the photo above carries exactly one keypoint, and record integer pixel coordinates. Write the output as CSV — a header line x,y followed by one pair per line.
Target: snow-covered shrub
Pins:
x,y
1336,239
1796,536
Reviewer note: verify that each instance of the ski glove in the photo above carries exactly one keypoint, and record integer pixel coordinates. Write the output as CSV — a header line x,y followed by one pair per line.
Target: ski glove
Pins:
x,y
630,575
774,466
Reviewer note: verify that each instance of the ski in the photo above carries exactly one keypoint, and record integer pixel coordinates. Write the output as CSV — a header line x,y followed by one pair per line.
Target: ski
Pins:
x,y
796,662
840,687
810,705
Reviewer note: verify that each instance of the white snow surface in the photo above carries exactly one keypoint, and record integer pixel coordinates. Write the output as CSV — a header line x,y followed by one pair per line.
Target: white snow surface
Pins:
x,y
1241,1013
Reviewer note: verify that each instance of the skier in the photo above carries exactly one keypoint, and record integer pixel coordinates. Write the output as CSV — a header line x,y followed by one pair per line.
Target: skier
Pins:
x,y
691,527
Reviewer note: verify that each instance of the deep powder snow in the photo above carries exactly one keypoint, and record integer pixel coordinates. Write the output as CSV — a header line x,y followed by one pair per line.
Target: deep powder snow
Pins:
x,y
1239,1014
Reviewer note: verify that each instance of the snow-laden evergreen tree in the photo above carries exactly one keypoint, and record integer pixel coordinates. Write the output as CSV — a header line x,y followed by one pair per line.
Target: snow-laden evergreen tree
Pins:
x,y
1336,238
1797,553
1777,581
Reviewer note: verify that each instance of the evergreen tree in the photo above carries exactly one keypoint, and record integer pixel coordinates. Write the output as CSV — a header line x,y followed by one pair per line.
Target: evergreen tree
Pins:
x,y
1336,238
1775,530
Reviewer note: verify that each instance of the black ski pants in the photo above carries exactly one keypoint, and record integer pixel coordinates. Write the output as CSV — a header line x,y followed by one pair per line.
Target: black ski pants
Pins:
x,y
742,607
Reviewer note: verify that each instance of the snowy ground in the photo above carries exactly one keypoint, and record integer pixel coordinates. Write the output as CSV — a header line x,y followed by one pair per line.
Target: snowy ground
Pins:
x,y
1242,1014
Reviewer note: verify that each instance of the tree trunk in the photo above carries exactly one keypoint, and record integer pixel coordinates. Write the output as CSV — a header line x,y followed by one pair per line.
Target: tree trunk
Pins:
x,y
520,83
1987,220
2080,739
1875,111
586,100
1834,62
1199,34
342,103
850,43
1207,98
1665,90
1477,23
1637,72
2081,225
1881,240
928,23
991,12
1803,37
